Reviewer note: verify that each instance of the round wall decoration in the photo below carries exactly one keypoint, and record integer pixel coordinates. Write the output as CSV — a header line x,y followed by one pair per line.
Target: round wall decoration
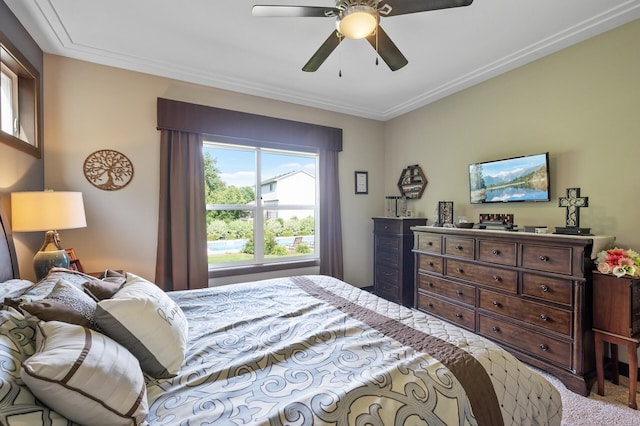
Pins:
x,y
108,170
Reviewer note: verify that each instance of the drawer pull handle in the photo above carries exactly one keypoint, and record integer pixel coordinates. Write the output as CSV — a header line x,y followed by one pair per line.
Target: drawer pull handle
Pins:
x,y
544,347
497,278
544,288
458,292
496,303
544,258
496,329
459,270
430,284
543,317
430,243
430,305
459,247
495,252
458,315
430,264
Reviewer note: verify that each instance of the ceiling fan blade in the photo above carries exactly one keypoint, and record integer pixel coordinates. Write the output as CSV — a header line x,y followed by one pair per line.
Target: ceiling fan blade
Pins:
x,y
294,11
387,50
403,7
323,52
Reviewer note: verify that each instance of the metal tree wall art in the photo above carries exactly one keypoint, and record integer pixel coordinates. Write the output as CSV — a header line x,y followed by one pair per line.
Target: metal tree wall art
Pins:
x,y
108,170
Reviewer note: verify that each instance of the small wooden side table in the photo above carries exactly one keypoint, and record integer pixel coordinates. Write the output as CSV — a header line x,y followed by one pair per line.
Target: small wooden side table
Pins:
x,y
632,344
616,319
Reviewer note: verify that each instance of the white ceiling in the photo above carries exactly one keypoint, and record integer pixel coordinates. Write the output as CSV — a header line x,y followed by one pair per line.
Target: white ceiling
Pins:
x,y
218,43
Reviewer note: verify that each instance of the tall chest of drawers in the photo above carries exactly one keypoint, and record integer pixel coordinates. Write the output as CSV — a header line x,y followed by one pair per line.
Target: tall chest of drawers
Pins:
x,y
392,258
530,293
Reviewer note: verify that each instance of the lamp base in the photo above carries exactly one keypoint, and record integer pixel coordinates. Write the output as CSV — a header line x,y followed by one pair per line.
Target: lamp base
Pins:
x,y
43,261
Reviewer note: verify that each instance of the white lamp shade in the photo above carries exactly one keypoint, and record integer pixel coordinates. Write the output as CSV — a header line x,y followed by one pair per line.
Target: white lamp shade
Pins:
x,y
47,210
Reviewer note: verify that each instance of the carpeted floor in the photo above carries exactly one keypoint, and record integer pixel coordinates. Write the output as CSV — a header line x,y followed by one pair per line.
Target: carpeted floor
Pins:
x,y
610,409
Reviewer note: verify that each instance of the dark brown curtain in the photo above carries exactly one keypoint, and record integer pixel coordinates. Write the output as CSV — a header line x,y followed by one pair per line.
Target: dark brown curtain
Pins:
x,y
243,128
181,261
330,223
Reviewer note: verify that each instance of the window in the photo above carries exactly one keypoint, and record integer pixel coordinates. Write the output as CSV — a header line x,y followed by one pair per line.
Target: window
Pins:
x,y
262,205
19,100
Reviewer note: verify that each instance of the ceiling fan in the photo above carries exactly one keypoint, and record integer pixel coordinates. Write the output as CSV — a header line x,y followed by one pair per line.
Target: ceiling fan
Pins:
x,y
358,19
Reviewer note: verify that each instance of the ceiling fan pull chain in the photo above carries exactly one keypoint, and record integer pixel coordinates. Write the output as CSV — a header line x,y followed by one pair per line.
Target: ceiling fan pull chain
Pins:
x,y
377,53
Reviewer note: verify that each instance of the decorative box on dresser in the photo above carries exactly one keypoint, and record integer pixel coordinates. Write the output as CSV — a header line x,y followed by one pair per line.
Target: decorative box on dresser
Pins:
x,y
529,292
393,259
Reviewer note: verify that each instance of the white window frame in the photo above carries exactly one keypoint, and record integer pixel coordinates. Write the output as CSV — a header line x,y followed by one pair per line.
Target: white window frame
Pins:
x,y
259,210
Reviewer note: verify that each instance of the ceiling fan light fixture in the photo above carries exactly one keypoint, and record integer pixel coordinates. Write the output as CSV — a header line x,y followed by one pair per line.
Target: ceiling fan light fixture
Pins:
x,y
357,22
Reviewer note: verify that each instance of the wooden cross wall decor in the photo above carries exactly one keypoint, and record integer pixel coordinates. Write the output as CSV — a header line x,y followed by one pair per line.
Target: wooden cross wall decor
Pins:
x,y
573,201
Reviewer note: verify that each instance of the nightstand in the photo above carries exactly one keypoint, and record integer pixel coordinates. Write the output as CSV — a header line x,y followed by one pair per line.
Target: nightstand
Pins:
x,y
616,320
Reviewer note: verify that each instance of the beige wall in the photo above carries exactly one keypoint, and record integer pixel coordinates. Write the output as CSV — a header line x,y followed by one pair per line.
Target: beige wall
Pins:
x,y
90,107
582,105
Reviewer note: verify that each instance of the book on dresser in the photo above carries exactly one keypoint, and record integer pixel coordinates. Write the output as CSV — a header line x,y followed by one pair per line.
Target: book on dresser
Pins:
x,y
529,292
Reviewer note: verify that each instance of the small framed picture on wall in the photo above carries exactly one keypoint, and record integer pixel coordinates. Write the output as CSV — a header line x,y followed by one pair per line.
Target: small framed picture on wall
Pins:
x,y
362,182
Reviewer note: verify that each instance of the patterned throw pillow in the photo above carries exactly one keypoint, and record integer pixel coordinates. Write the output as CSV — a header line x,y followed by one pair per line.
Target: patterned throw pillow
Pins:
x,y
143,319
18,406
85,376
65,303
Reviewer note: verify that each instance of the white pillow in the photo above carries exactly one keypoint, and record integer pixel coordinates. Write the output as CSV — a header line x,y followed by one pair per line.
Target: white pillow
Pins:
x,y
85,376
143,319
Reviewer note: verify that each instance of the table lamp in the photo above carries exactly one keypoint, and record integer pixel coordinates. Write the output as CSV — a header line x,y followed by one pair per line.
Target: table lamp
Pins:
x,y
47,211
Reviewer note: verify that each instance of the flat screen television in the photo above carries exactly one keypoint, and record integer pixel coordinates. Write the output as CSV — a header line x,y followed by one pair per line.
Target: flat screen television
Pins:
x,y
519,179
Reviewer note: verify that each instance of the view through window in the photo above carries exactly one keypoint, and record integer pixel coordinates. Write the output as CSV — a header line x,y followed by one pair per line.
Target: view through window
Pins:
x,y
262,205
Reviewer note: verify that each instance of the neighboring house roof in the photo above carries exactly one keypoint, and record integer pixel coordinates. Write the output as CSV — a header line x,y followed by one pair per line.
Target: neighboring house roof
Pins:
x,y
286,175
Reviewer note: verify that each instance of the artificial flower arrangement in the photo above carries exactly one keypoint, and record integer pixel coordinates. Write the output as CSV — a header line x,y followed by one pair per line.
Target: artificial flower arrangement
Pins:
x,y
619,262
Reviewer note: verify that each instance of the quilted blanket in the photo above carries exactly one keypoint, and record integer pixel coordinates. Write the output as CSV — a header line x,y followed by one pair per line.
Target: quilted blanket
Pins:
x,y
314,350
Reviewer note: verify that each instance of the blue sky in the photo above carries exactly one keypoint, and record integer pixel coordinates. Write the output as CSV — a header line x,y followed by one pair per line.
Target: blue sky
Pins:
x,y
238,167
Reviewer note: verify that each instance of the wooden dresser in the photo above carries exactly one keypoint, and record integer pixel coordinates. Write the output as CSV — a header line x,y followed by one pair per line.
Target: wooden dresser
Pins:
x,y
393,259
531,293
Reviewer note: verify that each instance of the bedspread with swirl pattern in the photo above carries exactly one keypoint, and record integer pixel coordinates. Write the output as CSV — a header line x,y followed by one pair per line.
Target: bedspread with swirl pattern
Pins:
x,y
313,350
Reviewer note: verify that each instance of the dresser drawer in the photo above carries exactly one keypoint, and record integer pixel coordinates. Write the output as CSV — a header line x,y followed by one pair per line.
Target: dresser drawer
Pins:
x,y
504,279
388,258
389,244
531,342
387,283
381,226
462,293
497,252
547,258
450,311
460,247
538,314
386,273
429,242
547,288
430,263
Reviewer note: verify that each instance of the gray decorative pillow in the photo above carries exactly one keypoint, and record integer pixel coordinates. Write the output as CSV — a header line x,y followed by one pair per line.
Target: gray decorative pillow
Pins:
x,y
71,296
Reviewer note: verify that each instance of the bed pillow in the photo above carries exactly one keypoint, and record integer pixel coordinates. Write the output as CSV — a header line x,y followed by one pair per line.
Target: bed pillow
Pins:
x,y
85,376
52,310
65,303
102,289
143,319
14,288
18,406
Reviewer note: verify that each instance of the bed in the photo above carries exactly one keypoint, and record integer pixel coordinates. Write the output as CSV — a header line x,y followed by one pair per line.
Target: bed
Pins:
x,y
304,350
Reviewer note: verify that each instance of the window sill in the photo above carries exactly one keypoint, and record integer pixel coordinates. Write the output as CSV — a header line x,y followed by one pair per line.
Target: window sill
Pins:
x,y
256,269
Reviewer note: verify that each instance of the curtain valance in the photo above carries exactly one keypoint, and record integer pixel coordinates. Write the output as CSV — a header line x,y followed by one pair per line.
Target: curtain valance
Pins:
x,y
245,128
